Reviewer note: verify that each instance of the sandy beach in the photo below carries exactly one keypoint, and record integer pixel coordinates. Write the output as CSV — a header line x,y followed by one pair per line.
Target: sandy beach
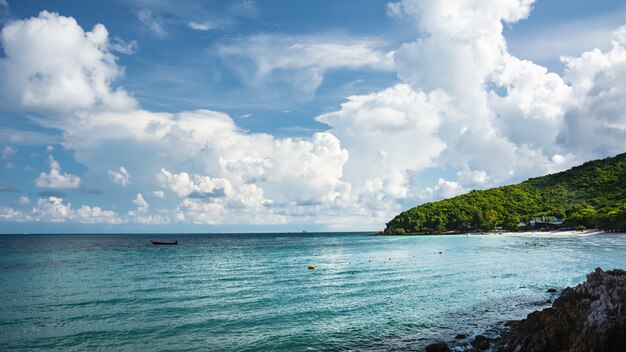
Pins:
x,y
555,233
575,233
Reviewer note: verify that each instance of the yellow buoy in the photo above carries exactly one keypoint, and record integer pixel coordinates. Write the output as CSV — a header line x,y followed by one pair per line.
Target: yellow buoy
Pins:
x,y
311,267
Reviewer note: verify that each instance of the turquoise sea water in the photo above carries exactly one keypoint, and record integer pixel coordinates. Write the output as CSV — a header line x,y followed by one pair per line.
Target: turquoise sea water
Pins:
x,y
253,292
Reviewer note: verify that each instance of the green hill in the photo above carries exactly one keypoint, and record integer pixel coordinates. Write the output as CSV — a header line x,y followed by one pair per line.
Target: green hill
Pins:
x,y
592,195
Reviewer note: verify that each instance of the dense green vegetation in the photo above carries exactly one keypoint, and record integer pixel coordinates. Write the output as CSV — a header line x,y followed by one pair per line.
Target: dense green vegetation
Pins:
x,y
592,195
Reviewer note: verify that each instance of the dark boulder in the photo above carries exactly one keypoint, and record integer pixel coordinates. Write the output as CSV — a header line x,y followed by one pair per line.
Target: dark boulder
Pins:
x,y
461,336
480,342
588,317
551,290
437,347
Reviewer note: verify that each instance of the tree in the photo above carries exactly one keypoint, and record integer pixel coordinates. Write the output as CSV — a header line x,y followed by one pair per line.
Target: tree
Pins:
x,y
511,222
581,215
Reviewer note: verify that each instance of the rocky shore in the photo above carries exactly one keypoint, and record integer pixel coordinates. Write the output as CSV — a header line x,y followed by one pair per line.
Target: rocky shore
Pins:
x,y
588,317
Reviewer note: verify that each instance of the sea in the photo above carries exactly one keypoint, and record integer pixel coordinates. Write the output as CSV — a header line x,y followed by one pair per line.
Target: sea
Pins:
x,y
255,292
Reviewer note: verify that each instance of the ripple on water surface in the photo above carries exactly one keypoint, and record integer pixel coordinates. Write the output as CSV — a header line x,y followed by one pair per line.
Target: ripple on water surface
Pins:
x,y
254,292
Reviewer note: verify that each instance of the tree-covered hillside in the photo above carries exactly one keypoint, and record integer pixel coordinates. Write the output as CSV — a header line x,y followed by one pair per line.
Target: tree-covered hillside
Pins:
x,y
592,195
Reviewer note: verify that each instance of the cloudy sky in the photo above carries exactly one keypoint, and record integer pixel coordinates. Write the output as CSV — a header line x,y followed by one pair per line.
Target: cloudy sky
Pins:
x,y
162,115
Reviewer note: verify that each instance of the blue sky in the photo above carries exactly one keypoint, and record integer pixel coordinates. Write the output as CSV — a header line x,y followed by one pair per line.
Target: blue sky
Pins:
x,y
157,115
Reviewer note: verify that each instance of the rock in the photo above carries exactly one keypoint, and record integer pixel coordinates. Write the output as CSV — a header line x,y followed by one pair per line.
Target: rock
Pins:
x,y
552,290
437,347
480,342
461,336
588,317
511,323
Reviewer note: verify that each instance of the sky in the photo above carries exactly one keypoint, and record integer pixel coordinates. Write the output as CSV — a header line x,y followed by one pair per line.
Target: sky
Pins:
x,y
257,116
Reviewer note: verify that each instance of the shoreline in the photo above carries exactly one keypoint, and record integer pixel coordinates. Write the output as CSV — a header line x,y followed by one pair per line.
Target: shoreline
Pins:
x,y
584,317
554,233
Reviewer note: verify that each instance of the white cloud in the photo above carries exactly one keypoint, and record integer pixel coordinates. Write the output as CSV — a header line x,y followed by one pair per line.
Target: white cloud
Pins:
x,y
24,200
121,177
301,62
142,205
55,178
501,117
8,152
152,21
10,214
51,209
141,215
152,219
217,191
158,16
501,121
474,178
121,46
95,215
201,26
286,169
464,105
444,189
596,125
394,128
75,73
54,209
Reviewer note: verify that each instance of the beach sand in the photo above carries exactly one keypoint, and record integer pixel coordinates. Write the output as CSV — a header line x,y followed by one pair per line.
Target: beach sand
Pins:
x,y
556,233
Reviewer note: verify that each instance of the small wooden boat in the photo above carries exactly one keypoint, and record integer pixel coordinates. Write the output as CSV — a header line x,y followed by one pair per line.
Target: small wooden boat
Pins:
x,y
165,243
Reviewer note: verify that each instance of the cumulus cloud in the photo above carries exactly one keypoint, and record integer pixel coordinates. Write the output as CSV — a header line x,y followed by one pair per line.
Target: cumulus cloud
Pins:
x,y
74,74
142,205
214,189
394,128
121,177
300,61
140,214
500,114
56,179
464,104
444,189
54,209
10,214
285,168
95,215
468,104
596,125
